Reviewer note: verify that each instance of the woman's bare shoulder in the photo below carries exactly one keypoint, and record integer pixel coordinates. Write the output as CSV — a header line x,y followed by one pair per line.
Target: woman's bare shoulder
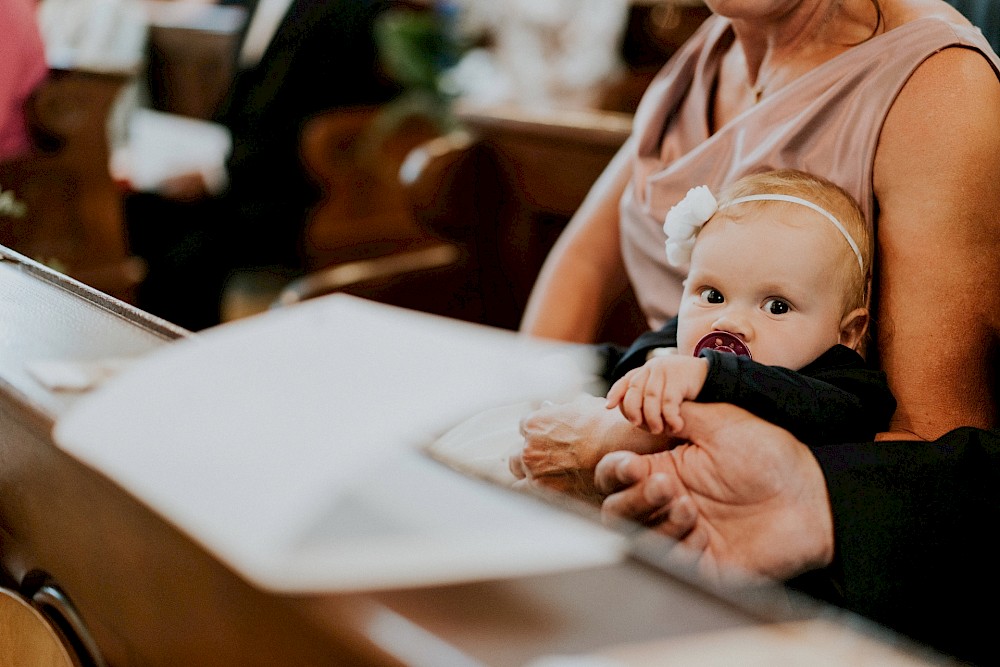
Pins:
x,y
958,71
959,79
954,97
899,12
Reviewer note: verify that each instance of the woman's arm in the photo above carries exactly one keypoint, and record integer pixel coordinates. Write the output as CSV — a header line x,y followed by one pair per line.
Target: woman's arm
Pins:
x,y
937,180
584,271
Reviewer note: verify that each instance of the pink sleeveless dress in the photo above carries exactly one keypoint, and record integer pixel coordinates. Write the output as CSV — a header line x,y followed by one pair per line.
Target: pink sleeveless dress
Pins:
x,y
827,122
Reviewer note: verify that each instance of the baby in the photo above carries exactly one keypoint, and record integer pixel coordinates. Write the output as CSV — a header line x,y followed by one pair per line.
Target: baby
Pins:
x,y
774,313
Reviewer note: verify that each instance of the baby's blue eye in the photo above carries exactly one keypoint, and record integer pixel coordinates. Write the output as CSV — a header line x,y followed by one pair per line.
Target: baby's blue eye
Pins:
x,y
776,306
712,295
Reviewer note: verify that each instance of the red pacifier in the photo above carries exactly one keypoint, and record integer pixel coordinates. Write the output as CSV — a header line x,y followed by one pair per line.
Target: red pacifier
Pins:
x,y
722,341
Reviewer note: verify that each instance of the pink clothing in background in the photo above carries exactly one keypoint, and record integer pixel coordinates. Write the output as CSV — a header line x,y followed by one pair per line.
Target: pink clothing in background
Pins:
x,y
22,68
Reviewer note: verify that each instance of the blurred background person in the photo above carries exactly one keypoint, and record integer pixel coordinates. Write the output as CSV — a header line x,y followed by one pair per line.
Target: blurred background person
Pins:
x,y
22,69
296,59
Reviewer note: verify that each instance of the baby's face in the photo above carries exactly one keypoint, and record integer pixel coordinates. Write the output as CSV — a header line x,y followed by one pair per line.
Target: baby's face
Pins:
x,y
774,284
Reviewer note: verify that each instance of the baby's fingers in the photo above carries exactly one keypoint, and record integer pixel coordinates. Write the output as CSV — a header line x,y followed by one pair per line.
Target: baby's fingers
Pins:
x,y
632,404
617,392
655,391
671,411
652,404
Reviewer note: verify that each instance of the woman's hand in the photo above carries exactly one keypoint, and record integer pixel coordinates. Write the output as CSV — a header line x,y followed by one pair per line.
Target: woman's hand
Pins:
x,y
564,442
743,493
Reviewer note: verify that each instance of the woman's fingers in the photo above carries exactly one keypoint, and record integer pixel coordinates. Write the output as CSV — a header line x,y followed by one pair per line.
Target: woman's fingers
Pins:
x,y
670,510
516,465
645,489
618,470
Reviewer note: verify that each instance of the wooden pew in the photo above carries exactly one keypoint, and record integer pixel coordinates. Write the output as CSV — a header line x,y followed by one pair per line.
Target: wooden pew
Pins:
x,y
499,192
505,188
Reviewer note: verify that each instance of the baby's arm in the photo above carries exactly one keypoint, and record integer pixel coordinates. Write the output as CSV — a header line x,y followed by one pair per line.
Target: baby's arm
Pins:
x,y
650,396
835,399
642,348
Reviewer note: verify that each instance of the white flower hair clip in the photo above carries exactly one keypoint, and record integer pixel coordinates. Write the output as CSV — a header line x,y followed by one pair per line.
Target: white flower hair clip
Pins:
x,y
690,214
685,220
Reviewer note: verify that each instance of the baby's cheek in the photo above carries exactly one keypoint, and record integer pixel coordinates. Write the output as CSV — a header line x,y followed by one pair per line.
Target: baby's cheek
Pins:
x,y
687,337
792,352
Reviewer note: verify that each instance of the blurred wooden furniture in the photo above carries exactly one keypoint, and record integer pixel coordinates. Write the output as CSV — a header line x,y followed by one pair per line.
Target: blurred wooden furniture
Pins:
x,y
191,54
536,168
494,197
654,31
150,596
364,234
28,638
351,276
64,209
503,188
354,155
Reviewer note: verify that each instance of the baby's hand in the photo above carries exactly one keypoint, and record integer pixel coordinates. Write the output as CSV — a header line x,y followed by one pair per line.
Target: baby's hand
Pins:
x,y
650,396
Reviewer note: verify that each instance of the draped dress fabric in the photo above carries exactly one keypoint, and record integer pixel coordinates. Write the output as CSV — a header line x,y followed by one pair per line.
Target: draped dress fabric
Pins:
x,y
827,122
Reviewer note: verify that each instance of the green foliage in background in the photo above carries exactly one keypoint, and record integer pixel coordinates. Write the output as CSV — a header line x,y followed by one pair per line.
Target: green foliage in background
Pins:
x,y
416,48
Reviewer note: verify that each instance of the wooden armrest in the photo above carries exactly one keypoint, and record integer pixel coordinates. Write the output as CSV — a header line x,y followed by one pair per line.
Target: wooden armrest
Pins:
x,y
590,127
433,156
354,154
503,189
548,159
342,276
439,179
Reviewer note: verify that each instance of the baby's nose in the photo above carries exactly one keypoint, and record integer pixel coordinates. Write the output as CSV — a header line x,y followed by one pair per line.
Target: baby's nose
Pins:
x,y
735,324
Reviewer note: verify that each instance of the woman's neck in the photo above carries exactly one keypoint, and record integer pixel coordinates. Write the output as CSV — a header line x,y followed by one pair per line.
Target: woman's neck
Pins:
x,y
771,51
798,38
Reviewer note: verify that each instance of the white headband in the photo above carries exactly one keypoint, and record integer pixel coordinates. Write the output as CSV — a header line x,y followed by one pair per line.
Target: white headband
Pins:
x,y
686,219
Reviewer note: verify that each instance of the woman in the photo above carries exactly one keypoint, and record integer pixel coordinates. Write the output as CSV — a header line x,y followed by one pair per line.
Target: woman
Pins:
x,y
318,56
896,101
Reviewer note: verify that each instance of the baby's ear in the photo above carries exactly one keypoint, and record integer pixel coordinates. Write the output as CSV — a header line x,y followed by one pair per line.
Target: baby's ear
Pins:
x,y
853,328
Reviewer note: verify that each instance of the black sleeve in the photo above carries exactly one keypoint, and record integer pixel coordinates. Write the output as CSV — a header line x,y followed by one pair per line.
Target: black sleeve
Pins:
x,y
914,526
834,399
621,361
